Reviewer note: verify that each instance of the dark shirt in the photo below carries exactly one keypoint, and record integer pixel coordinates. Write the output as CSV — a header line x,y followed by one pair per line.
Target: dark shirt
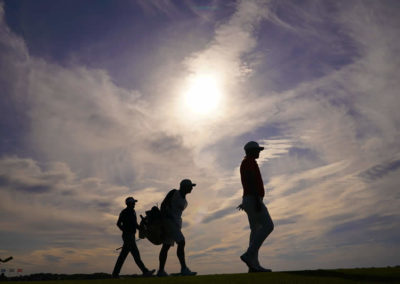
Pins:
x,y
251,177
127,221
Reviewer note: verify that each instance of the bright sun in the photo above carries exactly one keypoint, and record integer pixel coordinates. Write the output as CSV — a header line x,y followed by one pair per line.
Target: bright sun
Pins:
x,y
203,94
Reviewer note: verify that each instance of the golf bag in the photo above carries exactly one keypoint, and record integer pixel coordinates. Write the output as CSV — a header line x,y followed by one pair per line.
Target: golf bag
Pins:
x,y
151,226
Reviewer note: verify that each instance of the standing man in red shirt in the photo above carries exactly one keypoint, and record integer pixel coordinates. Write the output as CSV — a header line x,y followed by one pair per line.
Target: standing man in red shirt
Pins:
x,y
260,221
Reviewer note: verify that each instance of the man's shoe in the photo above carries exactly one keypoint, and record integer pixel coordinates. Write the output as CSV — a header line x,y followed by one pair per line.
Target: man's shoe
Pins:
x,y
115,276
187,272
249,261
259,269
162,273
149,273
262,269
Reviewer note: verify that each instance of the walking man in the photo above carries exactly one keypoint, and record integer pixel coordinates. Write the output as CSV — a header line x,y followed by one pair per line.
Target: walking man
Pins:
x,y
127,223
260,221
171,208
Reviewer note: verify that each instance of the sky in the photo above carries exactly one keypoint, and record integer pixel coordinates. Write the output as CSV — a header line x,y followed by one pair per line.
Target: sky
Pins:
x,y
101,100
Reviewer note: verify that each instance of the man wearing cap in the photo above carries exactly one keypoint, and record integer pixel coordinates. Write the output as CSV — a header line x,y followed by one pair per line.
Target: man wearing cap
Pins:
x,y
127,223
260,221
172,208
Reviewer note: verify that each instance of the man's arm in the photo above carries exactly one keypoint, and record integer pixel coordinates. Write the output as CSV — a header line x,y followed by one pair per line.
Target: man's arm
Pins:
x,y
119,222
137,224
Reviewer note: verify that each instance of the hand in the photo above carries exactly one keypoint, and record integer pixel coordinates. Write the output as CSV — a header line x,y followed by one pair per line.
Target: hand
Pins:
x,y
240,207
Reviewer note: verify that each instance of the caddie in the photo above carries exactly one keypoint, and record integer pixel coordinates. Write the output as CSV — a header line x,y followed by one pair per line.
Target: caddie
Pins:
x,y
171,208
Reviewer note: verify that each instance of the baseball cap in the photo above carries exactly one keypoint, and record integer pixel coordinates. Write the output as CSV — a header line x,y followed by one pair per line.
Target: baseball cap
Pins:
x,y
252,145
130,199
187,182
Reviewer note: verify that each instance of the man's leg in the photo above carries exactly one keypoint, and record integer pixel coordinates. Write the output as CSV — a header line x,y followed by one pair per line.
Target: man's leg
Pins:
x,y
180,252
253,228
249,208
250,257
120,260
163,256
136,256
263,228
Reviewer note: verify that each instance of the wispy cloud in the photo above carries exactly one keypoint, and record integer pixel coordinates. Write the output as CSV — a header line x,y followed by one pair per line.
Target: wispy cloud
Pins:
x,y
379,171
219,214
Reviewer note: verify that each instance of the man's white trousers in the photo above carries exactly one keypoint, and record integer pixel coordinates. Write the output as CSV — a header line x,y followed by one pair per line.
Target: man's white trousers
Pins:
x,y
261,224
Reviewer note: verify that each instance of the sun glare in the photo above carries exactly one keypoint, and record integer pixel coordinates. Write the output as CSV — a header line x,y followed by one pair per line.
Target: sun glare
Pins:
x,y
203,94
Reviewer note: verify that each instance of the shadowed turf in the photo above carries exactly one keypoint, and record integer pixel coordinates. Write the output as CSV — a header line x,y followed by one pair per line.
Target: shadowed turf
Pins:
x,y
362,275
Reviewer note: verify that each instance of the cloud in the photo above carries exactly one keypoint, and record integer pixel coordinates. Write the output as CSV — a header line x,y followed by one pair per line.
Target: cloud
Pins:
x,y
219,214
222,60
373,222
77,115
287,221
212,250
379,171
164,6
53,189
52,258
329,124
4,181
25,175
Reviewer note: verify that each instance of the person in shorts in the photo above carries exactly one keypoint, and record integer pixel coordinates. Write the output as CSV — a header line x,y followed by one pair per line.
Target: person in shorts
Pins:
x,y
171,208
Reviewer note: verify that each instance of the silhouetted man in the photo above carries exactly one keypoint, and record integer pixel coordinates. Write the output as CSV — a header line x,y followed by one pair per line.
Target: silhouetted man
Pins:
x,y
260,221
172,208
127,223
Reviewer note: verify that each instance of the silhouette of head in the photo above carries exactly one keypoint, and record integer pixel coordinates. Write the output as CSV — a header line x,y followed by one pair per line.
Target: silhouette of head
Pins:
x,y
130,201
186,185
252,149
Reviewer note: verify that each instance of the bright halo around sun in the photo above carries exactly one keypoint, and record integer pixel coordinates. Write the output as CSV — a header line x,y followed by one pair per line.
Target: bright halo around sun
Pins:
x,y
203,94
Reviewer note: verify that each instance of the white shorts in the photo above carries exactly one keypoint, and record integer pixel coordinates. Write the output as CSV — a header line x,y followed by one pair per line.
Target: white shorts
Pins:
x,y
173,232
